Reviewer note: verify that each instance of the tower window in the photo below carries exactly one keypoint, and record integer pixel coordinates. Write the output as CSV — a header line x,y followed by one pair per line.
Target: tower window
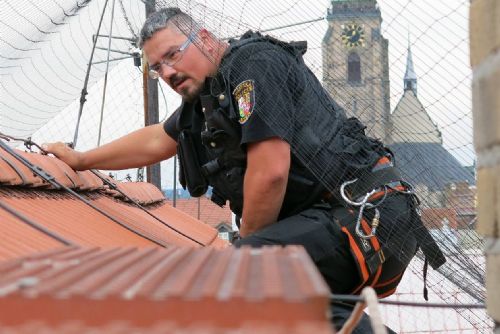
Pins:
x,y
353,68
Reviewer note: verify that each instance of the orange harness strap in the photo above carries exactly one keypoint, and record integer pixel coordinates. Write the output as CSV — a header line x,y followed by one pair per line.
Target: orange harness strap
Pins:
x,y
368,254
369,258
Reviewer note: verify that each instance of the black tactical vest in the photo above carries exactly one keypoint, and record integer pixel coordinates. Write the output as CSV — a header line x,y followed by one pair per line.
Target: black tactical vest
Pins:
x,y
209,145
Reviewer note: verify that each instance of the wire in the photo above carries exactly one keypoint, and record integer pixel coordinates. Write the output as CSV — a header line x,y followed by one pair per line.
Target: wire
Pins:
x,y
129,25
114,187
282,27
57,185
354,298
99,132
29,143
85,84
34,225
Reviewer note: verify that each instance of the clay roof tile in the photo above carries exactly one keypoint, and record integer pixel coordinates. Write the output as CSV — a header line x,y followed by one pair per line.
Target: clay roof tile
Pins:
x,y
8,174
90,181
51,166
28,178
123,327
141,192
69,173
275,286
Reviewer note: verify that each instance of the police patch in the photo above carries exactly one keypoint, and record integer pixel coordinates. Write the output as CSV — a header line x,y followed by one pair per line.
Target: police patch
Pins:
x,y
245,96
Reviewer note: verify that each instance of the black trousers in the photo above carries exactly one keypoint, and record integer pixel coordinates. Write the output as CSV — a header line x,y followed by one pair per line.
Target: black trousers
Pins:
x,y
318,230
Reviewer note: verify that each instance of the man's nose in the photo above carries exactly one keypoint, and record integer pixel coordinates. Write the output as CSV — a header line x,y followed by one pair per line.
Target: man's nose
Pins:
x,y
167,72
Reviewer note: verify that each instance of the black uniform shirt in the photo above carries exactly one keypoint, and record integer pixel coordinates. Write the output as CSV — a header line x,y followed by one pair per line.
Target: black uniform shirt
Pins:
x,y
272,90
276,95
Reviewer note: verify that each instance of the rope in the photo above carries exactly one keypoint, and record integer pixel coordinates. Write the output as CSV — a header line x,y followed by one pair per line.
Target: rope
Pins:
x,y
369,298
355,298
129,25
353,319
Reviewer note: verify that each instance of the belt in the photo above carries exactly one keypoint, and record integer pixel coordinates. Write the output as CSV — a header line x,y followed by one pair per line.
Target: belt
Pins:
x,y
385,190
375,179
383,178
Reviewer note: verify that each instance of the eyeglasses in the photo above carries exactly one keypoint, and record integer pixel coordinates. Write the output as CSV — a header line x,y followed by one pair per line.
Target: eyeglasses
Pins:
x,y
171,58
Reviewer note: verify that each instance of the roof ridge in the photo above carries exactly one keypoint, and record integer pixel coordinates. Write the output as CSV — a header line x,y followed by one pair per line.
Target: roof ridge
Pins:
x,y
14,173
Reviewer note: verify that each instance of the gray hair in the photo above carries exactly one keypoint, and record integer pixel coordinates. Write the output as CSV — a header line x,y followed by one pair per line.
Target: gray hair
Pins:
x,y
167,17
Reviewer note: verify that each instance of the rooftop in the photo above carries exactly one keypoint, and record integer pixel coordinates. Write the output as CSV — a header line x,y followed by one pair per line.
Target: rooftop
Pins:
x,y
78,246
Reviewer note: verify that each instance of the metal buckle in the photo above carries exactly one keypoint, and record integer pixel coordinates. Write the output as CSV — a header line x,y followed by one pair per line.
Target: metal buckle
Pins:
x,y
363,204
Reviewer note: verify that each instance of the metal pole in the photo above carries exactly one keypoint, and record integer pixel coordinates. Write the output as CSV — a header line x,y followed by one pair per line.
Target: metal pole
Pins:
x,y
199,202
106,74
84,90
151,115
175,181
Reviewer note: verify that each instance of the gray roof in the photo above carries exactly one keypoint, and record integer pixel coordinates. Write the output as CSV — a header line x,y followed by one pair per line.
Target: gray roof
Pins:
x,y
429,164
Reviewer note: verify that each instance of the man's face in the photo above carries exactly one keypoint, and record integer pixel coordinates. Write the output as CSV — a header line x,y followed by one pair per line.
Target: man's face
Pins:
x,y
188,74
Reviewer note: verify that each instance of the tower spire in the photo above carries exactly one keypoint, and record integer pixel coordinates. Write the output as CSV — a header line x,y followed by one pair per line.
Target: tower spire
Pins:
x,y
410,79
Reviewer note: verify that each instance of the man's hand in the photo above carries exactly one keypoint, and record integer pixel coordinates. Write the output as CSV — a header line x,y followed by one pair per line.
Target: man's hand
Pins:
x,y
66,154
266,177
142,147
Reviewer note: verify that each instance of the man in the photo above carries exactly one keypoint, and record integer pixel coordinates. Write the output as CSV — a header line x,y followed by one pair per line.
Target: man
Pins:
x,y
257,126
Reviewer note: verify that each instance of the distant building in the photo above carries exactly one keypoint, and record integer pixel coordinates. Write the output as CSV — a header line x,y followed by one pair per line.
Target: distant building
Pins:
x,y
202,208
356,63
356,74
463,198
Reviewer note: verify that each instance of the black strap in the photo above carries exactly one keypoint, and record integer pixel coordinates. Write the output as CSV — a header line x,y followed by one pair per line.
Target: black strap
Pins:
x,y
431,250
377,259
372,180
426,292
373,259
296,48
191,117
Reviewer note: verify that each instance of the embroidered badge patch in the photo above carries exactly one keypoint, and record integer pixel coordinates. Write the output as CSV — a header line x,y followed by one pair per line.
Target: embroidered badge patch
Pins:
x,y
245,96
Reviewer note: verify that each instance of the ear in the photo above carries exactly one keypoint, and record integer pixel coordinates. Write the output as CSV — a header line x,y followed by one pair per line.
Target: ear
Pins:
x,y
204,33
206,40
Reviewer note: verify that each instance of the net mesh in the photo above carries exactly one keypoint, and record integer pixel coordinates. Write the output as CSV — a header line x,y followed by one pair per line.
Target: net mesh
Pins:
x,y
402,68
425,128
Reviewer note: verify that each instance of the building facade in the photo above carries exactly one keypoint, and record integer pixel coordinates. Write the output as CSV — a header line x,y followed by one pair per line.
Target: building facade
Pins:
x,y
355,63
356,74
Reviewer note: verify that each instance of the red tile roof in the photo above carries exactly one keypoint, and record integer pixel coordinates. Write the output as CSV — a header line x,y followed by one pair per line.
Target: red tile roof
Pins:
x,y
123,327
222,288
79,253
111,222
433,217
20,239
205,210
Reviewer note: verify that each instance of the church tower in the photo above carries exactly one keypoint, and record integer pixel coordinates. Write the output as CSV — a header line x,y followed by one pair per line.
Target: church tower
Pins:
x,y
410,122
410,80
355,63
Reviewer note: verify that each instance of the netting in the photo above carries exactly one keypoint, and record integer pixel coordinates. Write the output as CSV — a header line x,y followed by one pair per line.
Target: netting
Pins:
x,y
402,68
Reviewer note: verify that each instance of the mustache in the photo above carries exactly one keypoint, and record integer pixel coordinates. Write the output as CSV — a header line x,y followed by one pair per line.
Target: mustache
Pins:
x,y
177,79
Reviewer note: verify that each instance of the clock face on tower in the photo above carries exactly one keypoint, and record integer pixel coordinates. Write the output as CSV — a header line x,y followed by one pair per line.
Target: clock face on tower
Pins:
x,y
353,35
